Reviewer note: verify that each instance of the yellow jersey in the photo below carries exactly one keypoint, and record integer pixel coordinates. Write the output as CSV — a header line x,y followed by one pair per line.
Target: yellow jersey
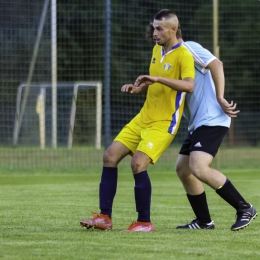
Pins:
x,y
163,106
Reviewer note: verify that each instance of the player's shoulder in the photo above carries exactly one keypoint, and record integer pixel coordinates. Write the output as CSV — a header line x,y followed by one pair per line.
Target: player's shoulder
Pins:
x,y
195,47
192,44
156,49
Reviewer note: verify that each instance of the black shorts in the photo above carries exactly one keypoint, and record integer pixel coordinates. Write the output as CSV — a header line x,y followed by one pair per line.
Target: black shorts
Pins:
x,y
204,139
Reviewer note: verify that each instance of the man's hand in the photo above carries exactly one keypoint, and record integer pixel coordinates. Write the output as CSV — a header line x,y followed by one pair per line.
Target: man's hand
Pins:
x,y
140,86
228,108
145,80
130,88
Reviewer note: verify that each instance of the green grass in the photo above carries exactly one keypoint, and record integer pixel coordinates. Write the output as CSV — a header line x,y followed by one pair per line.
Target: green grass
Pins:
x,y
65,160
40,213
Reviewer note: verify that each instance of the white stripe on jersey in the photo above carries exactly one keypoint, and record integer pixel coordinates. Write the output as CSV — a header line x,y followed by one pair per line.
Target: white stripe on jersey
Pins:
x,y
198,60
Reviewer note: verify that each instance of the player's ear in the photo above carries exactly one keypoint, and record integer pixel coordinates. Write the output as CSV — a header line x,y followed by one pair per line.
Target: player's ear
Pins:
x,y
174,29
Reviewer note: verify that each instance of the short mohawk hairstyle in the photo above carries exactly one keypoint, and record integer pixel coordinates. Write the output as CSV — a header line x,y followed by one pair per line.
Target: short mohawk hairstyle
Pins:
x,y
164,13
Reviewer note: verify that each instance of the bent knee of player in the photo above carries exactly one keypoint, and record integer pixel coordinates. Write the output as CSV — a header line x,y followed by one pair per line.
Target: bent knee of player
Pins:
x,y
198,169
195,169
200,163
139,162
182,172
182,166
137,166
112,156
109,160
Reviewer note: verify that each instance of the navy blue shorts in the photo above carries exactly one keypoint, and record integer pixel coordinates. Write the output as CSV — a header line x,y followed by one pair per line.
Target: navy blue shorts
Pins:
x,y
204,139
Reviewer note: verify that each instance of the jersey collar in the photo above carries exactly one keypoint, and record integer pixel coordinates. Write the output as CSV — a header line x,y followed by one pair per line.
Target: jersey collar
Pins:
x,y
173,48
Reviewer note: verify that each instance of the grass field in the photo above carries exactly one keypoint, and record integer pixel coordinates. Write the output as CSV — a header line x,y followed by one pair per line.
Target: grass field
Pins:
x,y
66,160
40,213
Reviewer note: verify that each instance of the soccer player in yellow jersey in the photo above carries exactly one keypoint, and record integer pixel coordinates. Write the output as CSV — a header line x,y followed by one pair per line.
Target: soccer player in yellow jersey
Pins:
x,y
152,130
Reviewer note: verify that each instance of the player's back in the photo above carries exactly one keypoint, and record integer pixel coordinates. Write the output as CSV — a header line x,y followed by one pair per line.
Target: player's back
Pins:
x,y
201,106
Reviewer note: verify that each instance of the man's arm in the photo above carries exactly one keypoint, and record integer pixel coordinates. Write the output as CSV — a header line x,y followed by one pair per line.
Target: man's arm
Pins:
x,y
217,73
185,85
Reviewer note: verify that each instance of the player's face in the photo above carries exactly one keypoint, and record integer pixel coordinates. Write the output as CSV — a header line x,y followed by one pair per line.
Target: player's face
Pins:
x,y
162,34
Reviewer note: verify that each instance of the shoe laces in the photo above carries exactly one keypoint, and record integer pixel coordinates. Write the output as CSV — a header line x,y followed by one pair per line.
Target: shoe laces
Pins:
x,y
133,224
243,215
96,215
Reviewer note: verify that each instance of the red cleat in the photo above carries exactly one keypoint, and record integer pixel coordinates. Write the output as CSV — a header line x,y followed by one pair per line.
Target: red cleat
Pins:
x,y
140,226
99,221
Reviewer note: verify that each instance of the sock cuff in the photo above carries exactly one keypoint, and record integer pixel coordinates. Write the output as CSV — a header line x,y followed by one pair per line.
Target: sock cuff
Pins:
x,y
110,168
109,172
140,175
221,186
192,196
227,181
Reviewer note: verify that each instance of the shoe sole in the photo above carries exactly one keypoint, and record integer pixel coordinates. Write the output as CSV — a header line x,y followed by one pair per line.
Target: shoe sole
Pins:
x,y
188,228
140,230
238,228
88,226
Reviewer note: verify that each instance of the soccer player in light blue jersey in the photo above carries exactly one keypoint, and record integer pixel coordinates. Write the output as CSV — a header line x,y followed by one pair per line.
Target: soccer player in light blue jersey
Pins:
x,y
209,117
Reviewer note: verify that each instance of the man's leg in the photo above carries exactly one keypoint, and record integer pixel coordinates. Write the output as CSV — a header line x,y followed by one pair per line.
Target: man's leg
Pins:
x,y
195,194
108,186
200,167
143,193
143,188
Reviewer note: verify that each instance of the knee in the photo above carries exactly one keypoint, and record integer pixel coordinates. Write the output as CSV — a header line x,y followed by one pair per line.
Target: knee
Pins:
x,y
138,165
109,159
195,169
182,170
178,169
135,165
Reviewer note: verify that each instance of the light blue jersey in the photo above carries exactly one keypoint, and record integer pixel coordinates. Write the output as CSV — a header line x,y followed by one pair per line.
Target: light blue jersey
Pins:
x,y
201,106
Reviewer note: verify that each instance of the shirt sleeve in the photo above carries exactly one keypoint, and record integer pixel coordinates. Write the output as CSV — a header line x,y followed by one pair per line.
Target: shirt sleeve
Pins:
x,y
187,66
202,57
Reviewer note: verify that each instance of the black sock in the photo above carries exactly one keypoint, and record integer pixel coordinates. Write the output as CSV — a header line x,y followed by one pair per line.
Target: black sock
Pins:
x,y
143,191
230,194
200,207
107,190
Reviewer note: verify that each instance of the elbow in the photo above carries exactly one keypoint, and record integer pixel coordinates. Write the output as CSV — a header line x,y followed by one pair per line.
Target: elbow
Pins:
x,y
190,88
219,62
189,85
215,64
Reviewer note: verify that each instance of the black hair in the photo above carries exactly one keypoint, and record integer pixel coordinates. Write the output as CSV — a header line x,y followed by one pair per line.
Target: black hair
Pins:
x,y
178,34
149,29
149,32
164,13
